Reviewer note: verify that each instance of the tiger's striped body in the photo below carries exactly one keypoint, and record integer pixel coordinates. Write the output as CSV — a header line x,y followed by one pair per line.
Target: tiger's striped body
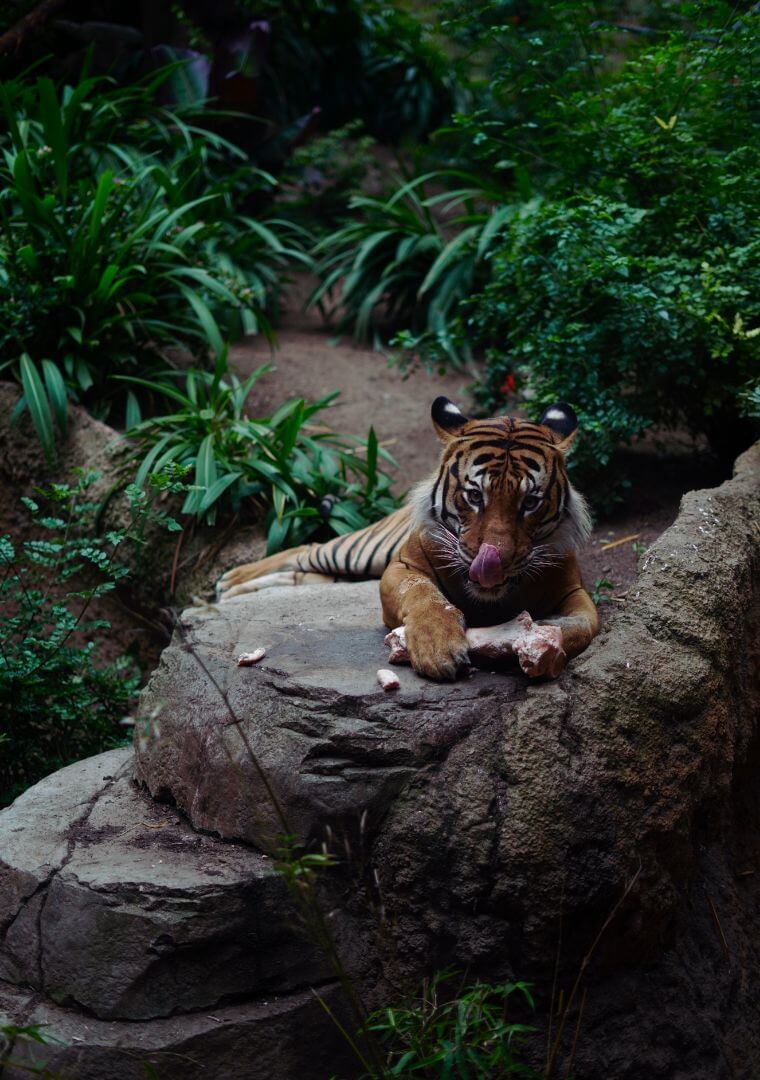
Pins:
x,y
357,555
493,532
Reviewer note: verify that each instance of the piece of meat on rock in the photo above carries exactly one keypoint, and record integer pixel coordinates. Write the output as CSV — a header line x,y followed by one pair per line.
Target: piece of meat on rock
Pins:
x,y
538,648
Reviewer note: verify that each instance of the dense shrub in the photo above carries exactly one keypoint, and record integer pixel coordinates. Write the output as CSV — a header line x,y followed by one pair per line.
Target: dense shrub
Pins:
x,y
640,303
581,307
57,702
119,237
324,174
624,179
407,260
350,59
451,1029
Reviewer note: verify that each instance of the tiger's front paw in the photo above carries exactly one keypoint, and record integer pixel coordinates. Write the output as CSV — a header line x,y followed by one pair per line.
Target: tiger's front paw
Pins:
x,y
437,647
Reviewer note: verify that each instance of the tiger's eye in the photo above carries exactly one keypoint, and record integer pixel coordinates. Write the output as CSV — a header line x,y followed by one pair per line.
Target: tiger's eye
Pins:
x,y
530,502
475,497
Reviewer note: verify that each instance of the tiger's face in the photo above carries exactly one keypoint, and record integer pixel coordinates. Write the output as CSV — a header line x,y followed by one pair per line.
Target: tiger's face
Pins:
x,y
501,505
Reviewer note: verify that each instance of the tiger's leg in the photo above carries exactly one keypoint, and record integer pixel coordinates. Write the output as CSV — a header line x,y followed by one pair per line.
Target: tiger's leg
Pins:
x,y
276,580
283,562
434,628
578,619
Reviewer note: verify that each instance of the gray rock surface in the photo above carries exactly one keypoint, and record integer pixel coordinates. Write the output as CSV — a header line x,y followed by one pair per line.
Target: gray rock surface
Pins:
x,y
112,903
279,1038
333,744
498,810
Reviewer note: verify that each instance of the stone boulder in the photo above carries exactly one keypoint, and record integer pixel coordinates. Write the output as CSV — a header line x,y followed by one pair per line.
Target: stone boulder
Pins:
x,y
600,830
115,914
499,810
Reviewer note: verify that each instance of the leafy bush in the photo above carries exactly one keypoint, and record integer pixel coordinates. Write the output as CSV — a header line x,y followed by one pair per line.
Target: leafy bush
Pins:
x,y
465,1034
623,274
304,480
57,703
640,303
407,260
582,308
323,175
104,260
352,59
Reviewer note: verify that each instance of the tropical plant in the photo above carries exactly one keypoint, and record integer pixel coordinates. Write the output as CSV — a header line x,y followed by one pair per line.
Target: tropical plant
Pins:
x,y
625,277
321,177
355,59
302,479
409,259
581,307
57,703
464,1032
101,271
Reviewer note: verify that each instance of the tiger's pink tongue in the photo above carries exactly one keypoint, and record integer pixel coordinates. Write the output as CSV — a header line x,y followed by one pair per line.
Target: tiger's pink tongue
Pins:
x,y
485,568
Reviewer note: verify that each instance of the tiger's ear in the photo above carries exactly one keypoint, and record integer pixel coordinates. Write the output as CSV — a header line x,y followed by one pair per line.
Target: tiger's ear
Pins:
x,y
448,420
561,419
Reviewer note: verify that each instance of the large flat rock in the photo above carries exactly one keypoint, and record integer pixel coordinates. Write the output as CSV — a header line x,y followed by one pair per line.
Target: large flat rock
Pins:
x,y
334,746
112,903
279,1038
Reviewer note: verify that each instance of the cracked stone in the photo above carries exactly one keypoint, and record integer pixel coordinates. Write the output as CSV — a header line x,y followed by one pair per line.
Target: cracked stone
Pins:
x,y
275,1039
134,915
332,743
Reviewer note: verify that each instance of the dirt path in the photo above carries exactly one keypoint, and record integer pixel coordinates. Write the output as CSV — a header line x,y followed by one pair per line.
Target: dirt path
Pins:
x,y
310,362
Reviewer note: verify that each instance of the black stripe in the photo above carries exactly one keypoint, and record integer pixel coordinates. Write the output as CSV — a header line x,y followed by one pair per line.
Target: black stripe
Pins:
x,y
357,568
376,548
332,547
357,537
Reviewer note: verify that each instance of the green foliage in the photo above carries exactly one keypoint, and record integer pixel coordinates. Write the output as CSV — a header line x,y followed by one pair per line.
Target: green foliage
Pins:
x,y
120,235
586,304
304,480
323,175
351,59
465,1033
408,259
57,703
624,275
602,590
13,1035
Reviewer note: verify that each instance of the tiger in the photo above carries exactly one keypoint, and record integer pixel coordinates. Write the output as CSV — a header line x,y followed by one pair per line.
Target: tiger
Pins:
x,y
492,533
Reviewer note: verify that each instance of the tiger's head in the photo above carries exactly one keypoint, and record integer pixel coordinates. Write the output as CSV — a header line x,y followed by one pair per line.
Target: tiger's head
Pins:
x,y
501,505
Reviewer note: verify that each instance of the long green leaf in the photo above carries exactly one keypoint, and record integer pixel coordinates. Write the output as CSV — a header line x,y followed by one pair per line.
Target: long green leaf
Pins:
x,y
217,489
105,183
38,405
133,413
55,135
205,318
59,399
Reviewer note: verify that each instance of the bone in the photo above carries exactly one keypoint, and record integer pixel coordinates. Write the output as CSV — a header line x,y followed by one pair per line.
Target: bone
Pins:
x,y
388,679
396,642
539,649
247,659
